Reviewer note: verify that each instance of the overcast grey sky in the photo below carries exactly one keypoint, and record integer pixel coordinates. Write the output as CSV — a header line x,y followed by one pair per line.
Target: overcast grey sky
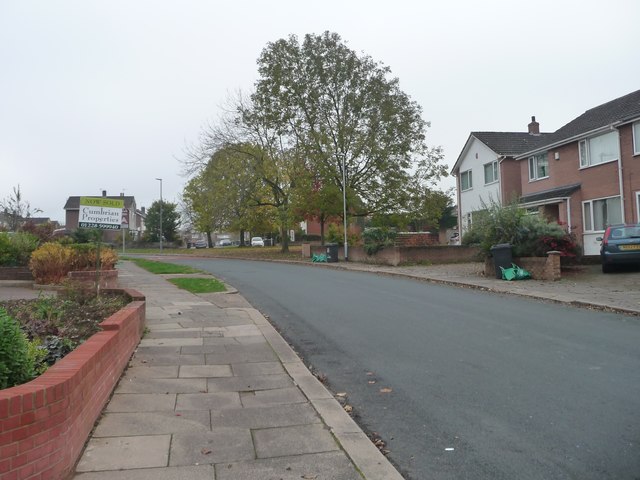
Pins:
x,y
104,95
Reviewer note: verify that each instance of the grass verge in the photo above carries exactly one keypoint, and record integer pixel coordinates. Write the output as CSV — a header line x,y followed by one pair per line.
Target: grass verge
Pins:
x,y
199,285
161,267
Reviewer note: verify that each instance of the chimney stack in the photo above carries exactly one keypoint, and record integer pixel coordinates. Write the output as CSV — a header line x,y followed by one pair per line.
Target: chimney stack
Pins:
x,y
534,127
104,193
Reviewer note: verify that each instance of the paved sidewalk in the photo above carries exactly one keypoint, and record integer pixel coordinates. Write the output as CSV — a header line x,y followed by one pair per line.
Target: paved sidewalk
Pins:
x,y
214,392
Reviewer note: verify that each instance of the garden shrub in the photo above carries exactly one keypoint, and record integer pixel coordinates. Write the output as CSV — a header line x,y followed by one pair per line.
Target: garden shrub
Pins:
x,y
52,261
16,359
16,248
529,235
376,238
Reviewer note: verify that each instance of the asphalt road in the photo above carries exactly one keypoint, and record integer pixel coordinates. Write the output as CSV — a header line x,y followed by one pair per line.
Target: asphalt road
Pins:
x,y
478,385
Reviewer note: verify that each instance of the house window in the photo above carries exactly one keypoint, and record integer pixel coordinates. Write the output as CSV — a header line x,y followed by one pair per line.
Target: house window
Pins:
x,y
600,149
490,172
598,214
538,166
466,180
636,138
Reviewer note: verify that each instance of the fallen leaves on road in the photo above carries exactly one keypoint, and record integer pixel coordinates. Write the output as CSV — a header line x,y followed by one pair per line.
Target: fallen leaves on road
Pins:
x,y
205,451
348,408
386,390
341,394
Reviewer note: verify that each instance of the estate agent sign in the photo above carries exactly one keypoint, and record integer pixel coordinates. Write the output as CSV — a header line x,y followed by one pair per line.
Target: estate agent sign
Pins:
x,y
100,212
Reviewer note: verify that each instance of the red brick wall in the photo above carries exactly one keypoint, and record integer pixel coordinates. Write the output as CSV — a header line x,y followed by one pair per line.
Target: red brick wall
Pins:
x,y
631,176
540,268
15,273
399,255
510,181
45,423
416,239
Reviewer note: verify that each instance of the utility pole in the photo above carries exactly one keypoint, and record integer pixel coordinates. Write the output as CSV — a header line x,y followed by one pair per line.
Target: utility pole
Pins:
x,y
159,179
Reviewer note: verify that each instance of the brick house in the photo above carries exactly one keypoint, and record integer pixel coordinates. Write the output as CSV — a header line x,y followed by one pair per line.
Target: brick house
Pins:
x,y
486,170
136,217
585,175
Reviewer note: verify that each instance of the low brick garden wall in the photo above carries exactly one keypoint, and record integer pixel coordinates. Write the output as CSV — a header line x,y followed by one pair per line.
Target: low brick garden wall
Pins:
x,y
407,255
44,424
15,273
540,268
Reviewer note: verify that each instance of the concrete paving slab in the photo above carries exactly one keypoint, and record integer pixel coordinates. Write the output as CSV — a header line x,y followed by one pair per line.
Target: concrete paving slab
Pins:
x,y
202,472
241,330
119,453
248,383
320,466
208,401
170,342
205,371
161,359
163,385
220,445
240,357
280,396
141,402
168,371
280,442
201,349
257,368
152,423
265,417
154,327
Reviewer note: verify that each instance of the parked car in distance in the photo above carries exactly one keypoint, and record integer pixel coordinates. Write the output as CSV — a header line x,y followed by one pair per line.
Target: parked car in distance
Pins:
x,y
257,242
620,246
201,244
225,243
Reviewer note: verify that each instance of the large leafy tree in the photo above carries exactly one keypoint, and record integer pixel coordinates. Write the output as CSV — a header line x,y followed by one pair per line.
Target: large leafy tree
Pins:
x,y
346,116
170,221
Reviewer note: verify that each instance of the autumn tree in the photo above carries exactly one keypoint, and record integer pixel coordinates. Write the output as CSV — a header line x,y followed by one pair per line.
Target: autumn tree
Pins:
x,y
346,116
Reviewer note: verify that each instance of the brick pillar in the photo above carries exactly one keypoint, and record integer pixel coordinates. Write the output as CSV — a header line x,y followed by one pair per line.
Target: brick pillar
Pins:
x,y
552,267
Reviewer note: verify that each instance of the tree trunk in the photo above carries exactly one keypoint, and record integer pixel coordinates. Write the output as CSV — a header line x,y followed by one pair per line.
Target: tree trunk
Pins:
x,y
242,244
322,222
209,241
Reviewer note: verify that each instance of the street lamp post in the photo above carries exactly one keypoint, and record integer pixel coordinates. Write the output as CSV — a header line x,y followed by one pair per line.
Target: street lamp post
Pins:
x,y
160,180
344,207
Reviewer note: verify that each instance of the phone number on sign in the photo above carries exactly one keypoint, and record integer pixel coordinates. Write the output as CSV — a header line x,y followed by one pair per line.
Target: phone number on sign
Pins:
x,y
102,226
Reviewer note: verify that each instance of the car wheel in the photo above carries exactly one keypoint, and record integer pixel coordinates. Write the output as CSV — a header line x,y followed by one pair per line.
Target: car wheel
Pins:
x,y
607,268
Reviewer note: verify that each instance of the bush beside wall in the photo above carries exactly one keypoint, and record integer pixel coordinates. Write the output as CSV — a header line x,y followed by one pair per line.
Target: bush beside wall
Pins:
x,y
45,423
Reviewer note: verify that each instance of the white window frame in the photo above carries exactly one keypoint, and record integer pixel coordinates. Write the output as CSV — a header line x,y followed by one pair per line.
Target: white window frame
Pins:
x,y
638,205
584,148
470,180
494,171
591,216
533,166
635,128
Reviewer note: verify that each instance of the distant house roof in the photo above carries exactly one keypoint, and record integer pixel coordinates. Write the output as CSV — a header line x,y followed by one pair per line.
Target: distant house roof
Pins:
x,y
559,192
506,144
73,203
619,111
510,143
